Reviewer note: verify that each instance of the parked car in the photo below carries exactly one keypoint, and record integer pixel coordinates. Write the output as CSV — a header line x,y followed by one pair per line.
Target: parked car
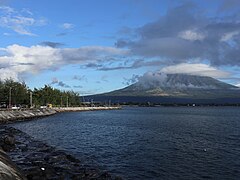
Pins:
x,y
16,107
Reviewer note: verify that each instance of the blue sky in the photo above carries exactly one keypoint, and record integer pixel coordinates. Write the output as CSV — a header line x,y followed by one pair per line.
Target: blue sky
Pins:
x,y
93,46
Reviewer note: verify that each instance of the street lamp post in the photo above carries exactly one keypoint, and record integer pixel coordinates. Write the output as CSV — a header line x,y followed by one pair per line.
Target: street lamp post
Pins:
x,y
31,105
92,104
67,101
10,97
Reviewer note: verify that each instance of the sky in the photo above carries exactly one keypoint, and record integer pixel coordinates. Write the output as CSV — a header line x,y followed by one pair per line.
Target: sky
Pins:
x,y
93,46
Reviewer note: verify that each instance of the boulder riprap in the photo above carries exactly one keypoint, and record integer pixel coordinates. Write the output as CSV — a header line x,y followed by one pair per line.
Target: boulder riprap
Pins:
x,y
9,140
8,170
39,161
7,143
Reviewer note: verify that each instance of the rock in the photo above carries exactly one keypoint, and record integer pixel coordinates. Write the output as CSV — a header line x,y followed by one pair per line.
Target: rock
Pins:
x,y
9,140
39,161
8,170
105,175
8,143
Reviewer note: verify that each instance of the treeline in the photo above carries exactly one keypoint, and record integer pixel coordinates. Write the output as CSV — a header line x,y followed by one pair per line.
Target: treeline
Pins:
x,y
16,93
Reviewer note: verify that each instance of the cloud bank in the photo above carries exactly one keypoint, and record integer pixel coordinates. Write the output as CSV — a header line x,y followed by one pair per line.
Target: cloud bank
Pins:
x,y
185,40
186,34
183,68
195,69
16,60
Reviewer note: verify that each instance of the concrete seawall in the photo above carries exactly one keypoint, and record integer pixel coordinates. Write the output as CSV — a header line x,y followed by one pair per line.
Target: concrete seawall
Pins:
x,y
73,109
11,116
16,115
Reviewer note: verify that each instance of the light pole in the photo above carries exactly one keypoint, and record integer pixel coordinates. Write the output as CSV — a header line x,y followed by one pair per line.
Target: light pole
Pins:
x,y
10,97
31,99
92,104
67,101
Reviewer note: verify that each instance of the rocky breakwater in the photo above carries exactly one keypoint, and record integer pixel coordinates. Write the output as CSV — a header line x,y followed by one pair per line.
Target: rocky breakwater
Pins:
x,y
18,115
8,170
23,157
39,161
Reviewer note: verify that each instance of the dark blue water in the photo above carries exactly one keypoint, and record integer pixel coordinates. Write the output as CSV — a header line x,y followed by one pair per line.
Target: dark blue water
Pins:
x,y
149,143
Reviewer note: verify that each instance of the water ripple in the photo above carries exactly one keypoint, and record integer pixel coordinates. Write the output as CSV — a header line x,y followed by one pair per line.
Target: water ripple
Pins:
x,y
149,143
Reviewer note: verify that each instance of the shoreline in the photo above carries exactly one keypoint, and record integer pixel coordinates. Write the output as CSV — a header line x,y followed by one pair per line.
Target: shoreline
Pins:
x,y
10,116
37,160
77,109
22,157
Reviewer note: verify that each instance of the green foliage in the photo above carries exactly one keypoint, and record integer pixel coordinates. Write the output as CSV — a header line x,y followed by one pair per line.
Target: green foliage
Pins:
x,y
20,95
18,91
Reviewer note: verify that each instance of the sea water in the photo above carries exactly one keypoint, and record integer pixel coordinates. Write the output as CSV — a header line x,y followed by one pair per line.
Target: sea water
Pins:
x,y
149,142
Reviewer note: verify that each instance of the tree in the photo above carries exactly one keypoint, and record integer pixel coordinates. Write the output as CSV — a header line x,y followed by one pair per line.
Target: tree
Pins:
x,y
14,92
19,94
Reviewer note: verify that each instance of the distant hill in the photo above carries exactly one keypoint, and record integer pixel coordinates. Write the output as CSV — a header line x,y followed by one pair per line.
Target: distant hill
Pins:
x,y
179,86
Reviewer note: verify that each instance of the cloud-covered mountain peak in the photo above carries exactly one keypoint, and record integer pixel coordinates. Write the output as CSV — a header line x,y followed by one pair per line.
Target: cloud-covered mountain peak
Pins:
x,y
177,85
179,81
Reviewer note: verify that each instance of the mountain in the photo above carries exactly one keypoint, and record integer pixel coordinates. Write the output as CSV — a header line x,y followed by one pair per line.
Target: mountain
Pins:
x,y
178,85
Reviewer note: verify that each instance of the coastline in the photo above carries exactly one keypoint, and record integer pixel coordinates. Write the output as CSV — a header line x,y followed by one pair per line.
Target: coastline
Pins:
x,y
22,157
37,160
76,109
8,169
9,116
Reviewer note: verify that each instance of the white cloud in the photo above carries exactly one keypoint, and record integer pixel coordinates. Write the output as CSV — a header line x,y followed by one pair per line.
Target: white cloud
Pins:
x,y
8,73
191,35
27,11
67,26
195,69
7,9
20,59
229,36
6,34
163,76
20,22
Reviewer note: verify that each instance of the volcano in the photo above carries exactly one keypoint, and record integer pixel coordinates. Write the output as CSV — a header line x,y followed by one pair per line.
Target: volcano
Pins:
x,y
178,85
